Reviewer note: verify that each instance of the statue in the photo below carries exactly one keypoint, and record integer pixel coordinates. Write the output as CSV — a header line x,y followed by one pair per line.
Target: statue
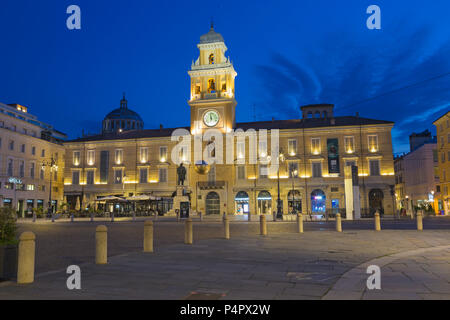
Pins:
x,y
181,172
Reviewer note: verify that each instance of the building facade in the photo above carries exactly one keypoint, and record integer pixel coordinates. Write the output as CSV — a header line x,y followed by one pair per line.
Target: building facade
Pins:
x,y
27,147
310,154
443,147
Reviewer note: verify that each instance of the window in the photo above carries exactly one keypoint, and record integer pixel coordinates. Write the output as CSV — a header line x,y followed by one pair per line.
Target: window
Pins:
x,y
442,142
33,150
240,148
163,154
293,169
43,153
90,157
315,146
0,142
22,148
118,176
30,187
241,172
373,143
32,168
11,145
374,166
144,154
162,174
90,177
292,147
21,169
10,167
104,166
118,156
263,171
42,173
263,149
317,169
349,143
448,138
76,177
143,175
76,158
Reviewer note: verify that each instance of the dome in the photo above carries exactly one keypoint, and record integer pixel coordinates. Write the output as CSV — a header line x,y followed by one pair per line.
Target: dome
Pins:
x,y
211,37
123,114
122,119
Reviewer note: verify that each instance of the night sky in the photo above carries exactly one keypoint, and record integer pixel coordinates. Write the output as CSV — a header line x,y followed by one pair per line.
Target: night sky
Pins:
x,y
286,54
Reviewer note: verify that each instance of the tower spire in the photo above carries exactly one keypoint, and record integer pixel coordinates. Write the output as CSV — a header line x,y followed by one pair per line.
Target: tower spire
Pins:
x,y
124,102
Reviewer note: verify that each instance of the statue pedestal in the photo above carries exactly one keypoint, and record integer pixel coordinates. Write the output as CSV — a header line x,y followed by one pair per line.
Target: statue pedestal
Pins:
x,y
178,200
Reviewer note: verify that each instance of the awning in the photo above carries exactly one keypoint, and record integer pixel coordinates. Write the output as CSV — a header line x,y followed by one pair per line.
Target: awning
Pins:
x,y
111,198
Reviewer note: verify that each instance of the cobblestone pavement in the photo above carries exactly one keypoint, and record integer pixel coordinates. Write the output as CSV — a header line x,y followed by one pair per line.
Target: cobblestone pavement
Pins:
x,y
282,265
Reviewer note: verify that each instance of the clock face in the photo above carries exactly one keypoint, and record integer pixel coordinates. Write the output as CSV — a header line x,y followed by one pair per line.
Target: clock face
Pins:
x,y
211,118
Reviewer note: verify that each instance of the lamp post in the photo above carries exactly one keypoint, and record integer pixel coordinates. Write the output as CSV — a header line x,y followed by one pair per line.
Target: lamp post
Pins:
x,y
294,174
53,167
279,204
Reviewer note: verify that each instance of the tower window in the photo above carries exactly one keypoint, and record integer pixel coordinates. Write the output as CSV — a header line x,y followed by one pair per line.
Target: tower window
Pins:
x,y
211,58
211,86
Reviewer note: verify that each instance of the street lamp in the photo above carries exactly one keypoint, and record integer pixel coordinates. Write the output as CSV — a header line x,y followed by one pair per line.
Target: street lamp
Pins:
x,y
294,174
53,168
279,204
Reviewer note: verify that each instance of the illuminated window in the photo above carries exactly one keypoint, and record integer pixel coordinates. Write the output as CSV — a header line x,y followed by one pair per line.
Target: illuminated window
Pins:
x,y
90,157
211,86
349,144
144,154
240,150
315,146
262,149
263,171
163,154
76,158
211,58
292,147
373,143
118,156
118,176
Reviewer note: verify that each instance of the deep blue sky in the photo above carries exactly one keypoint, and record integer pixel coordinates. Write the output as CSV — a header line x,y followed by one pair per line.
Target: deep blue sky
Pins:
x,y
286,53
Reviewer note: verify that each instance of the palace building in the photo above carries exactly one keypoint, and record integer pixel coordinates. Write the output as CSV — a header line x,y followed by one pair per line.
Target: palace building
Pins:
x,y
31,161
126,160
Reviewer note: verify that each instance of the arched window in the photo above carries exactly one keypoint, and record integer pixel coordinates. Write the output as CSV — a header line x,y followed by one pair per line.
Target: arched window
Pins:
x,y
211,58
294,201
212,204
310,115
264,202
241,202
317,114
376,201
318,201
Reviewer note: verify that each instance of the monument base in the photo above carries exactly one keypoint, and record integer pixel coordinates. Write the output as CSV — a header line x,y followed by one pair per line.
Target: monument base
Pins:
x,y
178,200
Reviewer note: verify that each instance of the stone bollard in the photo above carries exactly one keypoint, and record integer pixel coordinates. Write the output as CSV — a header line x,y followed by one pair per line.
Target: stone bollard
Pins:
x,y
178,215
71,217
263,225
148,236
101,245
274,214
188,231
27,251
156,216
377,222
338,222
300,223
112,216
419,220
226,225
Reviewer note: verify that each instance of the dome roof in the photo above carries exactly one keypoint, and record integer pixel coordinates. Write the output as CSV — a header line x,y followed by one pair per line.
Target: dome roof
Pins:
x,y
211,37
123,114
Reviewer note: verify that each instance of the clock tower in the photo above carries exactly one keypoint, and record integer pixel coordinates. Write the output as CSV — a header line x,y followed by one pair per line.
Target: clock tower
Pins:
x,y
212,86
